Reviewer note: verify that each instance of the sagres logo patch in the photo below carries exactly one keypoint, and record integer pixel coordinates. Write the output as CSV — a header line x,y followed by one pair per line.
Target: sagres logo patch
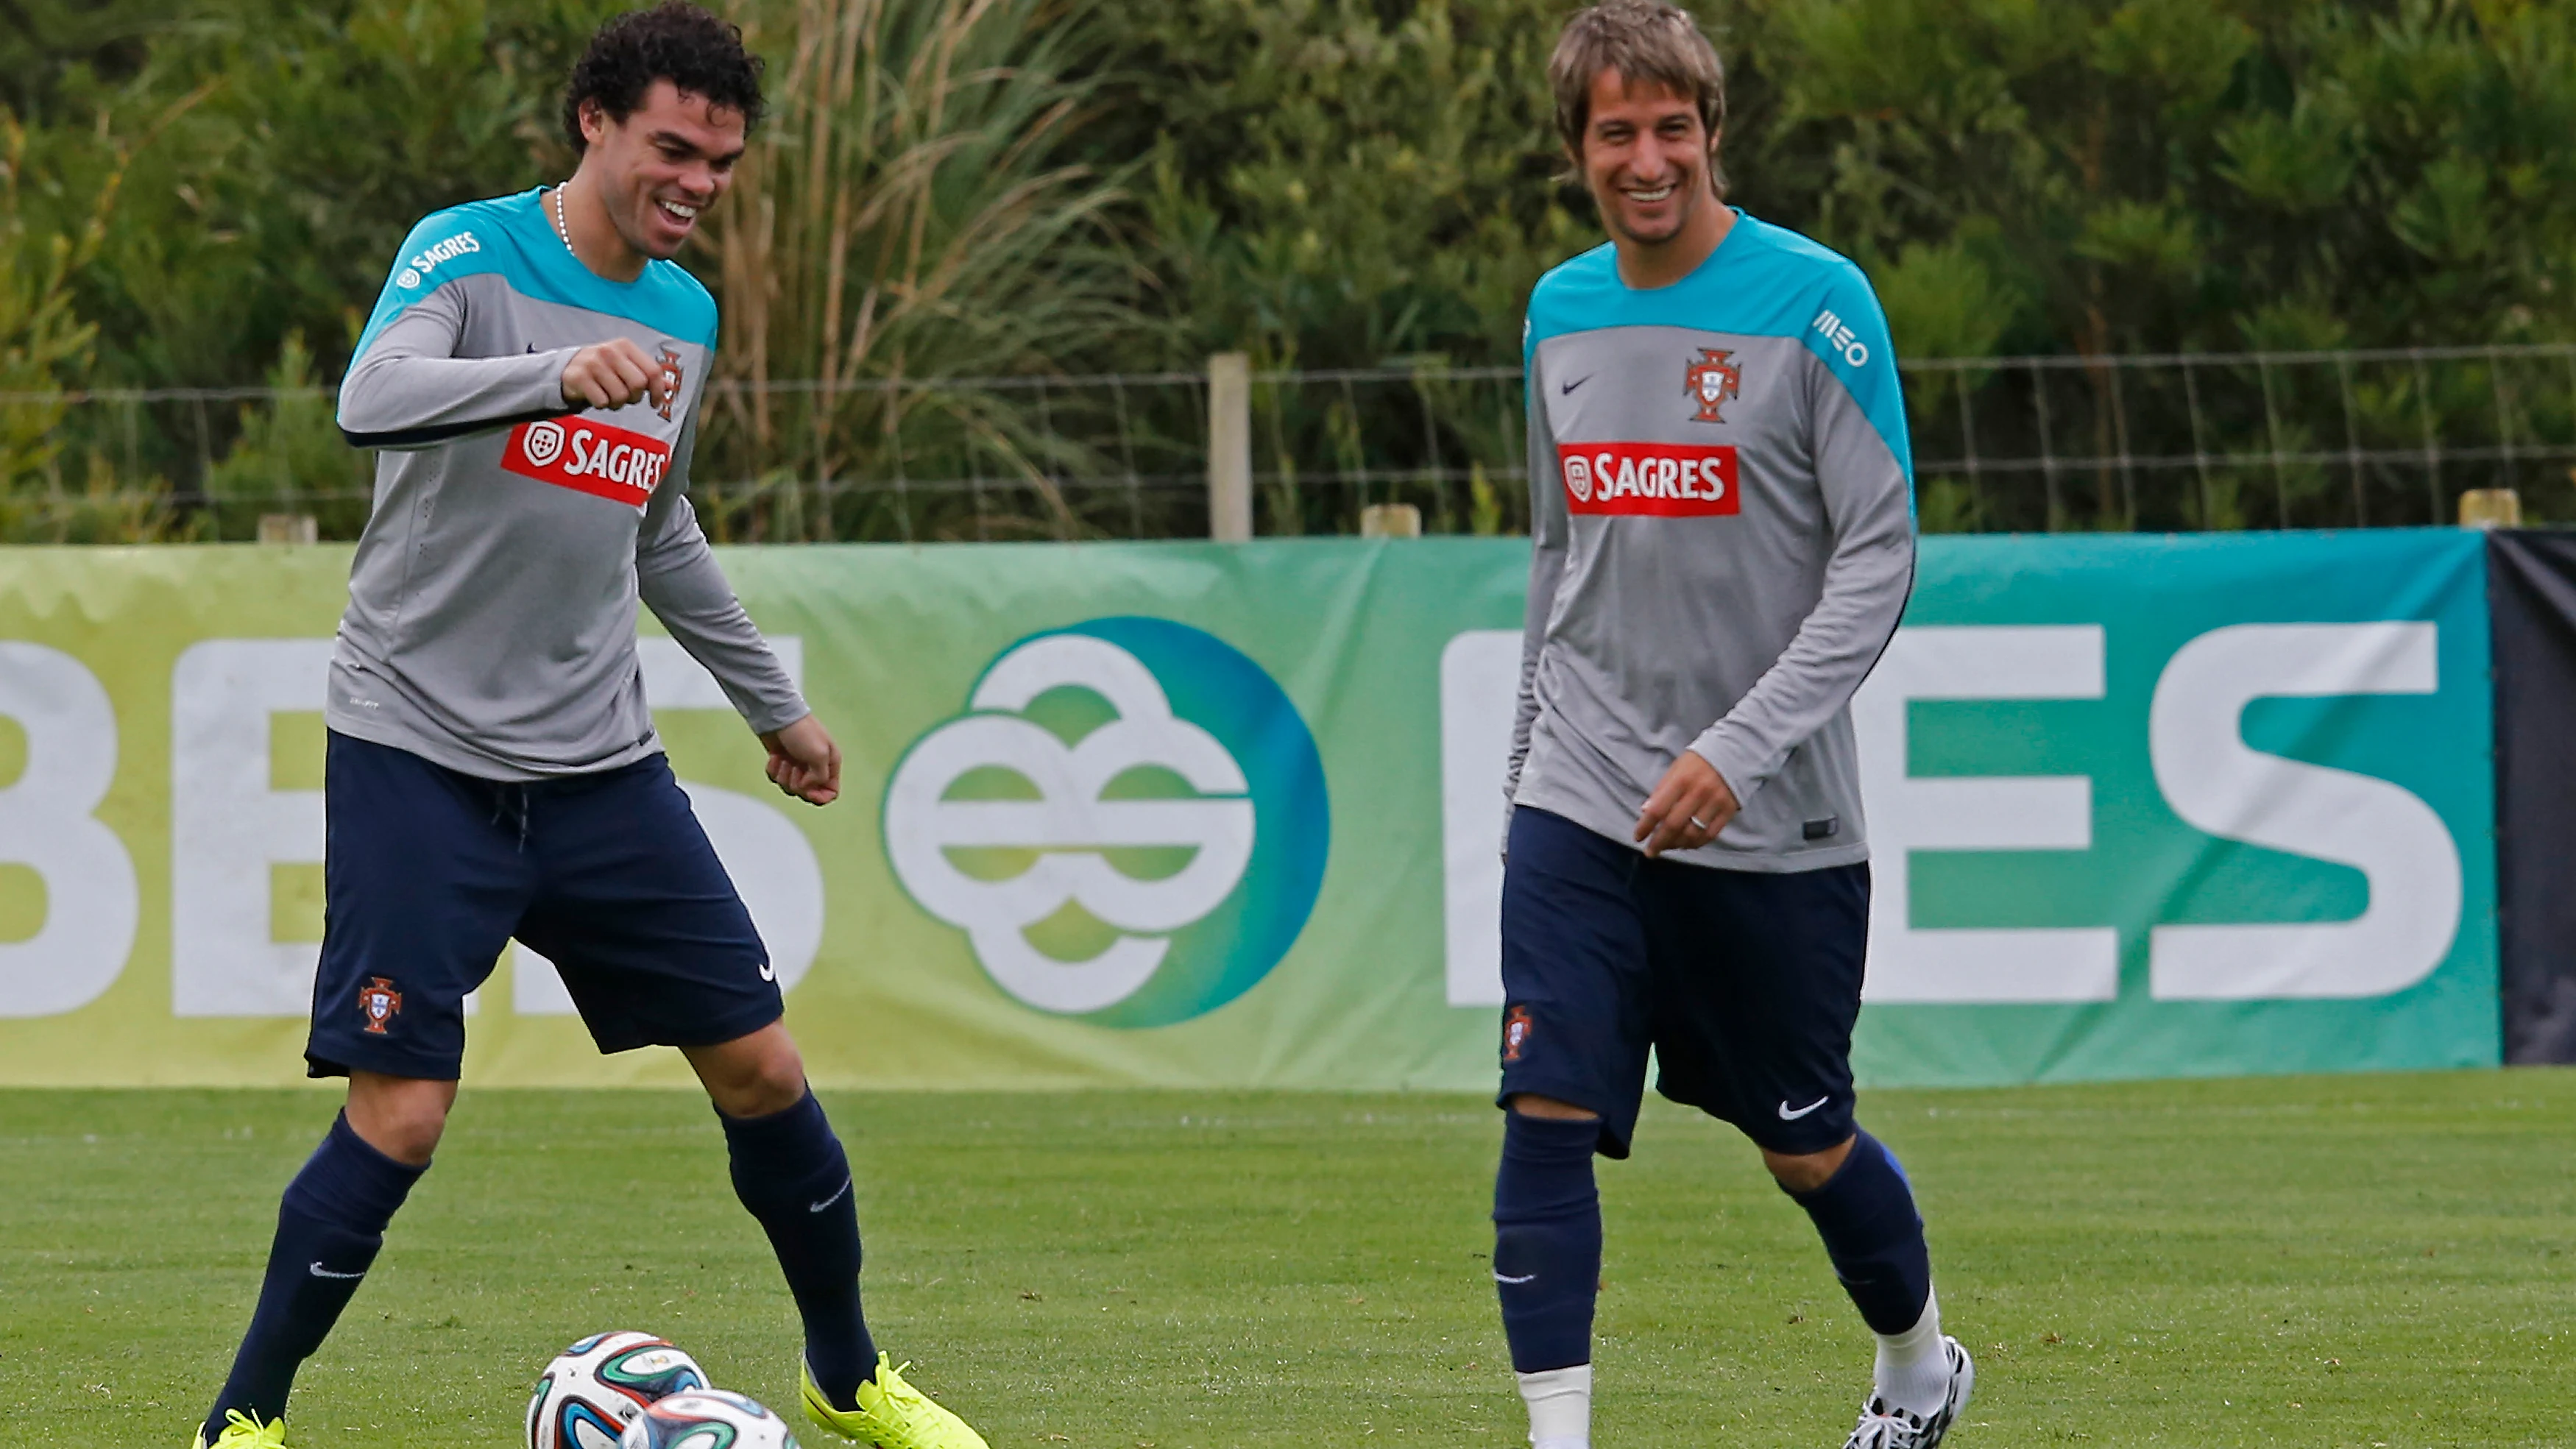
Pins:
x,y
1129,822
588,457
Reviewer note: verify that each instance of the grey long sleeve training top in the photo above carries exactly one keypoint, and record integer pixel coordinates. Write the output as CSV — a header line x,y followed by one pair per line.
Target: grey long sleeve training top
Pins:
x,y
491,619
1721,503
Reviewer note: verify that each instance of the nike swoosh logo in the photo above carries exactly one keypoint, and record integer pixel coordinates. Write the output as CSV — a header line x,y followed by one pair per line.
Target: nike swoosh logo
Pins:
x,y
1571,386
1524,1278
1788,1116
827,1202
768,972
321,1272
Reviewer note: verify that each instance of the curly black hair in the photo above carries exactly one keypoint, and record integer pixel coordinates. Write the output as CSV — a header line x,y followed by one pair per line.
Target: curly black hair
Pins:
x,y
692,48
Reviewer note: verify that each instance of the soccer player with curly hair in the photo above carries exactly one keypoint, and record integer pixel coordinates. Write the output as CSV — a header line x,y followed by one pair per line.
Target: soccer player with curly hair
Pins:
x,y
531,378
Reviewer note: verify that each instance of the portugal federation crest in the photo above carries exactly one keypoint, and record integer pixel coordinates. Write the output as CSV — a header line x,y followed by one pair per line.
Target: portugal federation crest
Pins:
x,y
671,375
1712,382
378,1001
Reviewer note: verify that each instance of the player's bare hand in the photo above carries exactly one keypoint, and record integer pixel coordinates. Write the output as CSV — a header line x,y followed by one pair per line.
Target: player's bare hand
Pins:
x,y
1688,809
613,374
804,762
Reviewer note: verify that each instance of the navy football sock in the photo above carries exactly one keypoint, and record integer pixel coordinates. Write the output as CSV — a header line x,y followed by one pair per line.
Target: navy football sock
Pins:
x,y
329,1226
1865,1213
790,1171
1547,1240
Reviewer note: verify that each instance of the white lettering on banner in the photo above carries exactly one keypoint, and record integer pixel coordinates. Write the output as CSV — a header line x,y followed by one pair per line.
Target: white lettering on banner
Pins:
x,y
46,824
1069,825
1480,680
228,827
1907,813
772,864
2218,784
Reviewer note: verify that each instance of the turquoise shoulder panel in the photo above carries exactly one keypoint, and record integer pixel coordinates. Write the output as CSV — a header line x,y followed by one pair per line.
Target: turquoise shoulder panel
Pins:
x,y
1762,281
460,241
1849,333
512,235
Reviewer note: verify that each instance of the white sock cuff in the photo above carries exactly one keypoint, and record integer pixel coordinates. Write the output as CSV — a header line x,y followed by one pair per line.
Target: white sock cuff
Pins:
x,y
1924,1336
1560,1407
1913,1370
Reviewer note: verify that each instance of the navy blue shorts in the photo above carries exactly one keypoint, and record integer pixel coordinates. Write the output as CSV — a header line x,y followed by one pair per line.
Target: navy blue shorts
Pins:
x,y
427,874
1745,985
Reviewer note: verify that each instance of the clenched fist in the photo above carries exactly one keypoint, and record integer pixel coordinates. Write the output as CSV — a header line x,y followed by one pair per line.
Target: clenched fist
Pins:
x,y
614,374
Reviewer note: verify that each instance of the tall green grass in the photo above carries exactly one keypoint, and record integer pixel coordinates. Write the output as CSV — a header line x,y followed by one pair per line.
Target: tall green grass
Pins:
x,y
915,213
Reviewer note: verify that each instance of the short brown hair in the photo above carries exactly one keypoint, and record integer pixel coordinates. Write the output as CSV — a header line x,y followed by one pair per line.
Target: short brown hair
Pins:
x,y
1644,41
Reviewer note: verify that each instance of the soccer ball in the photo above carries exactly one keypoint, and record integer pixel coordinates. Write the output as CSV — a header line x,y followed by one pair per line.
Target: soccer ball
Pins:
x,y
597,1387
707,1419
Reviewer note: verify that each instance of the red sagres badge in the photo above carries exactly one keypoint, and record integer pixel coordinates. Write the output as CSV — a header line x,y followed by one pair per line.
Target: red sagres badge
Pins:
x,y
379,1002
1712,382
1516,1033
671,375
1649,480
588,457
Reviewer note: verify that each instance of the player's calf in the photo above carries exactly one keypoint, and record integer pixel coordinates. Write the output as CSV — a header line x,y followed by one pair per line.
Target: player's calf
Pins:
x,y
1547,1268
794,1178
1864,1210
330,1226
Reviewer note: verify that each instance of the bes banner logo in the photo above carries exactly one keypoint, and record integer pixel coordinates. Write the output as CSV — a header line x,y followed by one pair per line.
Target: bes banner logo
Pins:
x,y
1129,822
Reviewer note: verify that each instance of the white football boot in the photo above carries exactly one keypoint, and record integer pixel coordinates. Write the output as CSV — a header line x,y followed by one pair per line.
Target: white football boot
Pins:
x,y
1883,1426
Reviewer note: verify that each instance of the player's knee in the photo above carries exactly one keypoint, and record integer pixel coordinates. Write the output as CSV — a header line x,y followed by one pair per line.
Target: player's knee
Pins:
x,y
1530,1104
1804,1172
401,1117
752,1076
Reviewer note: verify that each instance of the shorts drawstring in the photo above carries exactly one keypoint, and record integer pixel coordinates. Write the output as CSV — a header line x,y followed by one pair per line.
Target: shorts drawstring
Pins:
x,y
512,800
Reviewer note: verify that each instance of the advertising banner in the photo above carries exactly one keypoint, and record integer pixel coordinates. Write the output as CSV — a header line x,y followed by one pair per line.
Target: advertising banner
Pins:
x,y
1192,814
2184,804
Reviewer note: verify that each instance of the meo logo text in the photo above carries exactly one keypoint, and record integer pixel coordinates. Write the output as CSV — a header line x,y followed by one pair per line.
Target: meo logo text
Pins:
x,y
1649,480
1839,336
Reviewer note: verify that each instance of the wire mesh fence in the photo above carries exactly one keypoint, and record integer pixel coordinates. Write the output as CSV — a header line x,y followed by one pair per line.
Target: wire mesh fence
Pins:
x,y
2352,438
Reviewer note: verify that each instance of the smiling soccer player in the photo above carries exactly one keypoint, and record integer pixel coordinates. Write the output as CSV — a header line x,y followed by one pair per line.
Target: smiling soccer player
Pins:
x,y
1720,496
532,374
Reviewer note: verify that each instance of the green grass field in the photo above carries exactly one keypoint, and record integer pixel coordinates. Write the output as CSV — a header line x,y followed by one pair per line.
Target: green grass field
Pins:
x,y
2358,1261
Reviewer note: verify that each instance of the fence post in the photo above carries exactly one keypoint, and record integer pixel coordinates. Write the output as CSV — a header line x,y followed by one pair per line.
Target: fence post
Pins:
x,y
1230,447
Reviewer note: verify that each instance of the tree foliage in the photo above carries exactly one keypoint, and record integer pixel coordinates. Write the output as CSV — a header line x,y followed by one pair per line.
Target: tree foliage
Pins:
x,y
2169,174
959,188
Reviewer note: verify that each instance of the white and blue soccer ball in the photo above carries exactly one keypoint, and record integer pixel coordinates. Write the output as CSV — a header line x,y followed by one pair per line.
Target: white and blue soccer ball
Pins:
x,y
707,1419
597,1387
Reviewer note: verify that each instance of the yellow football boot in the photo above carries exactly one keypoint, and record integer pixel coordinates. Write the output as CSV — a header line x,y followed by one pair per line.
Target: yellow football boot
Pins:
x,y
891,1414
245,1431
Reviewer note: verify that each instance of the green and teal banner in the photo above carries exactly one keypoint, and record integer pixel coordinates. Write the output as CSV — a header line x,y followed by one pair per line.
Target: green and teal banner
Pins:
x,y
1188,814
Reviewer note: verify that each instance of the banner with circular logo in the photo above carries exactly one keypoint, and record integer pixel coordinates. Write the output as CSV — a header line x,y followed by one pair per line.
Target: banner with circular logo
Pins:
x,y
1129,822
